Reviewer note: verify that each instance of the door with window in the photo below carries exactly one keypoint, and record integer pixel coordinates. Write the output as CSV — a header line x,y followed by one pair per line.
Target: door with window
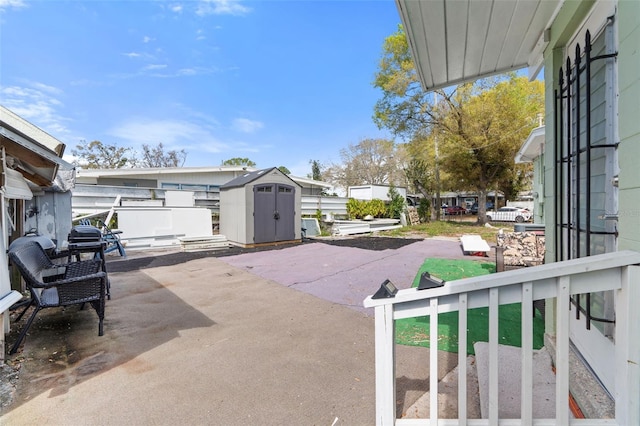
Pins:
x,y
274,213
585,181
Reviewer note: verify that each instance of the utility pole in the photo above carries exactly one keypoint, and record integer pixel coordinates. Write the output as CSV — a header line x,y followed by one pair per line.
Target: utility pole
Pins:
x,y
435,142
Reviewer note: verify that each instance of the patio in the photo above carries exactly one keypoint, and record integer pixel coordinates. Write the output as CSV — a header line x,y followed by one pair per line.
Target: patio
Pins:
x,y
225,340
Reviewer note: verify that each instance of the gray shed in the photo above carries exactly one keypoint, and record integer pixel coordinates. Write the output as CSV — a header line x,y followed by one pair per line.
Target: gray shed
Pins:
x,y
260,207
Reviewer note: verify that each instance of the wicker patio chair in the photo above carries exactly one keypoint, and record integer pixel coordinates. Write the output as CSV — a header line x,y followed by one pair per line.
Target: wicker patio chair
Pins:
x,y
55,285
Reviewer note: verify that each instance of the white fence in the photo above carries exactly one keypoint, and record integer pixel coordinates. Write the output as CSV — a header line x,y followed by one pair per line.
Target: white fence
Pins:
x,y
613,271
90,199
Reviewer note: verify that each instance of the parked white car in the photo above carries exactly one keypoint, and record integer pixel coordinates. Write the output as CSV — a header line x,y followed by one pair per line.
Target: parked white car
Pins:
x,y
509,214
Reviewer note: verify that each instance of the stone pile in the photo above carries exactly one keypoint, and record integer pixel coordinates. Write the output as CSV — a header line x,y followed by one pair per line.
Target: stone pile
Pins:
x,y
521,248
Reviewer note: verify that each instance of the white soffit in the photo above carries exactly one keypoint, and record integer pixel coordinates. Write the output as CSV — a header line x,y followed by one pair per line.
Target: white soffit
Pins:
x,y
455,41
532,147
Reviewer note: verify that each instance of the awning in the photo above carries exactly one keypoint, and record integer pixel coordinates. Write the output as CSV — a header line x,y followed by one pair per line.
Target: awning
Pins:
x,y
532,147
14,186
29,150
455,41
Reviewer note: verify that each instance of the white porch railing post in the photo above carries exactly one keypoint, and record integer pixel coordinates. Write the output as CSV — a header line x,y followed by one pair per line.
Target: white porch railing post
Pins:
x,y
462,359
627,382
562,350
433,360
385,366
526,393
494,403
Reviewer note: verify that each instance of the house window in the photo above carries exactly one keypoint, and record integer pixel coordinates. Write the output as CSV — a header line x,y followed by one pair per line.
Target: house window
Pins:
x,y
586,163
193,187
170,185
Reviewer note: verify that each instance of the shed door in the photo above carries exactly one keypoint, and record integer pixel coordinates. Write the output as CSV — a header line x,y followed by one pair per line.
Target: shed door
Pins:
x,y
274,213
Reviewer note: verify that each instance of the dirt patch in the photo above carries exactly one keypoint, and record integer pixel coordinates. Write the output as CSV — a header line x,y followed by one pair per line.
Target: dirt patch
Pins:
x,y
371,243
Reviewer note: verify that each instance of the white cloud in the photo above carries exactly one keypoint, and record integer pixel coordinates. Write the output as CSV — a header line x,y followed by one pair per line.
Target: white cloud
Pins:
x,y
177,8
15,4
39,104
187,71
155,67
245,125
221,7
86,82
132,55
147,39
173,134
46,88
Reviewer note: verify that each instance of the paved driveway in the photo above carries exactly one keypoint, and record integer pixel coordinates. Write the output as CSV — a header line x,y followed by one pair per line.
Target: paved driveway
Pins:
x,y
240,340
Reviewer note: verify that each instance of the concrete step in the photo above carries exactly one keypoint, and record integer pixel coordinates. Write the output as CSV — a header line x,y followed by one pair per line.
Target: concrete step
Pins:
x,y
448,396
509,381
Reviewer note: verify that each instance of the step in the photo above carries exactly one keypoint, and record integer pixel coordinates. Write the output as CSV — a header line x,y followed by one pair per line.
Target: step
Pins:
x,y
509,382
208,242
448,396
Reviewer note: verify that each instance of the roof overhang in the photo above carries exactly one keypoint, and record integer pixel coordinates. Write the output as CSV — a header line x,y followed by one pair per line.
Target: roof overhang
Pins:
x,y
532,147
29,150
156,171
85,175
456,41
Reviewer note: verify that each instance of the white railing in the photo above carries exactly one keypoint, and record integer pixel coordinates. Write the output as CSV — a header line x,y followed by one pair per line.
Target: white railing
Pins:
x,y
614,271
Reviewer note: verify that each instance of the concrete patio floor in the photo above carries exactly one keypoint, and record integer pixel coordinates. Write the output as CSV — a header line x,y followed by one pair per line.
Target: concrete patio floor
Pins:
x,y
269,338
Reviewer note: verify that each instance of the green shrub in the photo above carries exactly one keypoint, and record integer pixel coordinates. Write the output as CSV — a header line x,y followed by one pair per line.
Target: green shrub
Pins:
x,y
375,208
358,209
424,210
397,203
355,208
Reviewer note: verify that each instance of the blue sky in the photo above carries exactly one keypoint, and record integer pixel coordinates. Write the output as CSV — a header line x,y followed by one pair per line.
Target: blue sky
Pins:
x,y
279,82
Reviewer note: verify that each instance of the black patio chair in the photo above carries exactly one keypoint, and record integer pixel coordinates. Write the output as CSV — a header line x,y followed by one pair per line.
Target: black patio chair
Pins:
x,y
56,285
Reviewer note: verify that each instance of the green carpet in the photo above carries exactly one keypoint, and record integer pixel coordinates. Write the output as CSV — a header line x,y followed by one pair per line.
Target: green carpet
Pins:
x,y
415,331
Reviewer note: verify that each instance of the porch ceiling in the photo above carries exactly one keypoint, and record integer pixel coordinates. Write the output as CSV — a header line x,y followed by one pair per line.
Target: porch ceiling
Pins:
x,y
455,41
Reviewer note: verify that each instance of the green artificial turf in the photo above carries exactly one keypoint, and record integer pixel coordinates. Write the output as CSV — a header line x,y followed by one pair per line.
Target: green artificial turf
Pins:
x,y
415,331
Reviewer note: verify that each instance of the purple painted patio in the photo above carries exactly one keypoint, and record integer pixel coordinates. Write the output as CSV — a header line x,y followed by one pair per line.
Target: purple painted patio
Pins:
x,y
345,275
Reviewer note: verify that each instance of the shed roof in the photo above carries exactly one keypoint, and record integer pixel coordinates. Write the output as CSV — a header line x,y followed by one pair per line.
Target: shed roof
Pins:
x,y
249,177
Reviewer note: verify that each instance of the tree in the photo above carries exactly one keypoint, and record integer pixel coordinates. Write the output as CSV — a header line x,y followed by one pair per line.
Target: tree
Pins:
x,y
476,128
284,170
237,161
369,162
156,157
316,170
483,131
97,155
